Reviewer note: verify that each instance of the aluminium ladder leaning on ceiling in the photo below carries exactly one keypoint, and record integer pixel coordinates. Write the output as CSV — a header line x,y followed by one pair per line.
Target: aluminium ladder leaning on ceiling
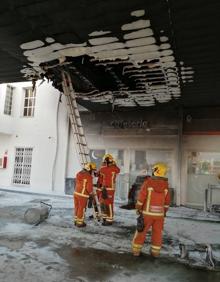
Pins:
x,y
77,130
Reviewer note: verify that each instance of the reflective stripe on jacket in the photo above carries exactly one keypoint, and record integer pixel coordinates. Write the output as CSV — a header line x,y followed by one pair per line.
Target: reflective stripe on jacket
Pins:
x,y
109,174
154,197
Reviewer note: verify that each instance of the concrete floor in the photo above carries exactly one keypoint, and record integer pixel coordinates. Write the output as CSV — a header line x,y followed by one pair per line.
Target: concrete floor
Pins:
x,y
56,251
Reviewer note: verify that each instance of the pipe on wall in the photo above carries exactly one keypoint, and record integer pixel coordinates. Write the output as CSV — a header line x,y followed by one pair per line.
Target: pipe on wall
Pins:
x,y
57,145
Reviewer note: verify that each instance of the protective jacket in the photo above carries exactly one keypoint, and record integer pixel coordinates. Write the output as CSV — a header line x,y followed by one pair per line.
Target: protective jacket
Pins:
x,y
108,174
83,188
153,202
153,198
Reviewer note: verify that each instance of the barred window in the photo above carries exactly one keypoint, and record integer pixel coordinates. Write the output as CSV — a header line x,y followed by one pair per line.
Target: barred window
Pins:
x,y
22,166
8,100
29,102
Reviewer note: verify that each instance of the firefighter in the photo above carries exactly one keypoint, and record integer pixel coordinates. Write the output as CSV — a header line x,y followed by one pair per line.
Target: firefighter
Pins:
x,y
152,203
108,173
83,190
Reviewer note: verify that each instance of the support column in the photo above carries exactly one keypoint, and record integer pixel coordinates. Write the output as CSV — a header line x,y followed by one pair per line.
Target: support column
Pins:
x,y
179,158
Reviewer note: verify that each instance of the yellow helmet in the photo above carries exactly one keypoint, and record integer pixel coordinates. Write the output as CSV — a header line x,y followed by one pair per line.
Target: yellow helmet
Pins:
x,y
90,166
93,166
160,169
109,157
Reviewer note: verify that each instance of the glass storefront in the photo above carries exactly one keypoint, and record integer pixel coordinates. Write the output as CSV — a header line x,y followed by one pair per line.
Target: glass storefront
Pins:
x,y
139,162
203,169
143,161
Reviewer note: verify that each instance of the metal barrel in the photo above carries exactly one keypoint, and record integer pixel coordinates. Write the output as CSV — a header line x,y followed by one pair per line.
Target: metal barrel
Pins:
x,y
36,215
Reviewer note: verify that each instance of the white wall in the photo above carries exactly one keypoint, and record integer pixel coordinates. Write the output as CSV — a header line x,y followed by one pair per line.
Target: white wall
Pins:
x,y
6,122
48,139
73,162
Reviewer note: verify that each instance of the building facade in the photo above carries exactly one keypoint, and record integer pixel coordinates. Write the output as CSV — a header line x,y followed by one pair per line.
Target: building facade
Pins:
x,y
34,136
37,151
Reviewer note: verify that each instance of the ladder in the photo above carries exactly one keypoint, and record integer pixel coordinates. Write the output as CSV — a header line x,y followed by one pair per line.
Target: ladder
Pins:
x,y
75,120
77,131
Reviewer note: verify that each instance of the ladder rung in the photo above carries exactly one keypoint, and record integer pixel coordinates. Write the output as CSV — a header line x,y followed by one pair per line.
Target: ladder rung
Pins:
x,y
76,124
75,115
80,134
83,144
79,124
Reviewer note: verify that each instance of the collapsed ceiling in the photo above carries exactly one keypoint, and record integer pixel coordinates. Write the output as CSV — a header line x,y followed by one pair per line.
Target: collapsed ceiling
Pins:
x,y
120,54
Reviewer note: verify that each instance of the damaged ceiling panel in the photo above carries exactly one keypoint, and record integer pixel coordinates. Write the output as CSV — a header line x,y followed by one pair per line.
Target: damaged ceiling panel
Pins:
x,y
120,54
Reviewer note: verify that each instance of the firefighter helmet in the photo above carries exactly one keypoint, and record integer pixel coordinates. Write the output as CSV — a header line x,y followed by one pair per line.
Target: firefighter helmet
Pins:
x,y
93,166
90,166
160,169
108,157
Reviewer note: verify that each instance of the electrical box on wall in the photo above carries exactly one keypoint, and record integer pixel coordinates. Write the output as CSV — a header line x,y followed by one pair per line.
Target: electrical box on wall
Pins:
x,y
3,161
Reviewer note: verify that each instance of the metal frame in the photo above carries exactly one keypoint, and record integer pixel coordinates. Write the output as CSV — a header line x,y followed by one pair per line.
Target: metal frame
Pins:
x,y
208,196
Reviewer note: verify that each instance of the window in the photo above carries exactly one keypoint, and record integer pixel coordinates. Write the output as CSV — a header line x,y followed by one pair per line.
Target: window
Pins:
x,y
8,100
29,102
143,161
203,169
96,157
22,166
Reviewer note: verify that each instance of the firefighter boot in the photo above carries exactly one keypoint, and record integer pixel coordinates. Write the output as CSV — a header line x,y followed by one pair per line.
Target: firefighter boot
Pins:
x,y
106,223
83,224
136,249
136,254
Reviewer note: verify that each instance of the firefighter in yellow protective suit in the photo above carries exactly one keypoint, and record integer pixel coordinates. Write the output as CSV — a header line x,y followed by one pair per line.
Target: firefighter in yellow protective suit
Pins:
x,y
83,190
152,204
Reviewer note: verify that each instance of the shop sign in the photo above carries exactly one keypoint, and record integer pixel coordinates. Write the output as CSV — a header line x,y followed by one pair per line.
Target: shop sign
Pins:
x,y
130,124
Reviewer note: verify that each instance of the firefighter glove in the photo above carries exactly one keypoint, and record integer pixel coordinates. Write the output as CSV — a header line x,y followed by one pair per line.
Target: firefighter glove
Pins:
x,y
104,193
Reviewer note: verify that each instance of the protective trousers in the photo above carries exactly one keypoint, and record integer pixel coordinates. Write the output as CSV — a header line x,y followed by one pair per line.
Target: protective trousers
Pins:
x,y
107,207
156,237
80,204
